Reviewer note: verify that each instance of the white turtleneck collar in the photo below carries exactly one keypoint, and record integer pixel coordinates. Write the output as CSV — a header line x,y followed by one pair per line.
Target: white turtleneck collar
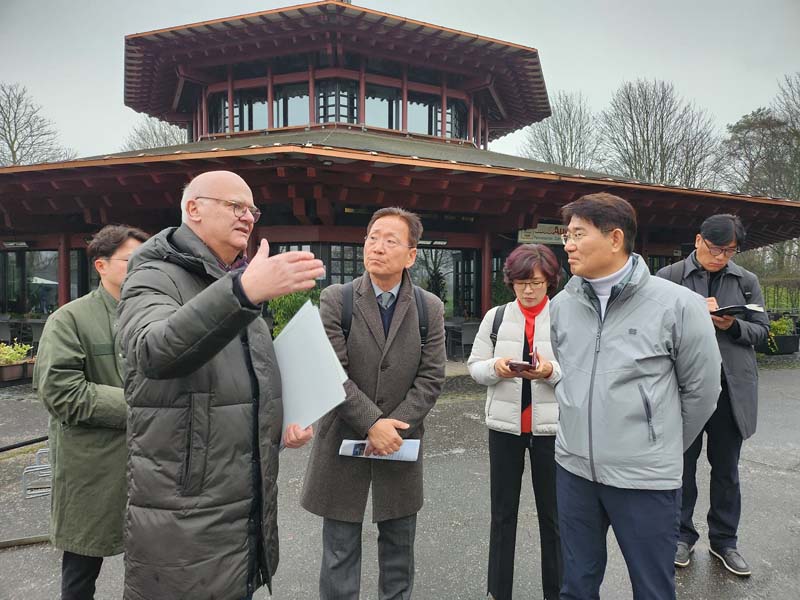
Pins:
x,y
602,285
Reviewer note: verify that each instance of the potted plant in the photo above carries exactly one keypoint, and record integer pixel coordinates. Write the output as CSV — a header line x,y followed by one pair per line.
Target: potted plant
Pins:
x,y
12,360
782,338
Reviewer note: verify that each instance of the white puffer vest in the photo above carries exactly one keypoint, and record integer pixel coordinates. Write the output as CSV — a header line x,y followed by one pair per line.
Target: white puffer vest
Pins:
x,y
504,396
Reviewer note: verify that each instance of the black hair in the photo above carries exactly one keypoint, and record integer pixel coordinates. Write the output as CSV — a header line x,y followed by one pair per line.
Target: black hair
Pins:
x,y
723,229
606,212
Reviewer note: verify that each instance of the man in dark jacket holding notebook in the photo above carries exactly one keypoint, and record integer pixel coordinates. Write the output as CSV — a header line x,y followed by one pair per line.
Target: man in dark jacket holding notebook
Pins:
x,y
710,272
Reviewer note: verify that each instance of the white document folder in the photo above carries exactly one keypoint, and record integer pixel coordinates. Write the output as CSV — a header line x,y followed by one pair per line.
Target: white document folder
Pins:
x,y
409,451
311,374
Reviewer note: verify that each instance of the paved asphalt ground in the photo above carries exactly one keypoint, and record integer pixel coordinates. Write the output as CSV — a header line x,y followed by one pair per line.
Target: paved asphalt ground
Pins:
x,y
452,535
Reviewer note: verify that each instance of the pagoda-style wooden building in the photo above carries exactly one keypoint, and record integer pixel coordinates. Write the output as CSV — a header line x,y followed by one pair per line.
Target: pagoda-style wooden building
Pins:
x,y
331,111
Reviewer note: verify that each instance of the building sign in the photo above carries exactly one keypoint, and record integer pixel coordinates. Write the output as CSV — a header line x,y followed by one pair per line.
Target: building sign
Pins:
x,y
545,233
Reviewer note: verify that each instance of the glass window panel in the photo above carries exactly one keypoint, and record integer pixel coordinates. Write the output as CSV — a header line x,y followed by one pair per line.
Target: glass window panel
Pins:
x,y
218,113
423,113
13,283
337,100
74,274
456,119
336,251
291,105
348,278
251,109
41,287
382,106
360,253
348,252
336,279
336,267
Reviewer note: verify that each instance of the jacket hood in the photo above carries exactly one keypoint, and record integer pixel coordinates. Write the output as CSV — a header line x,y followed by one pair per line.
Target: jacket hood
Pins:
x,y
179,245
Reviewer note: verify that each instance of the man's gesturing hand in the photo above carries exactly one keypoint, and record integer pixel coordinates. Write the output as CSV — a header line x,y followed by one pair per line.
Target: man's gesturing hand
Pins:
x,y
268,277
383,437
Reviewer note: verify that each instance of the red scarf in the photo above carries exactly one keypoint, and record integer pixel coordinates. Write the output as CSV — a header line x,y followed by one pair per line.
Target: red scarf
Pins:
x,y
530,315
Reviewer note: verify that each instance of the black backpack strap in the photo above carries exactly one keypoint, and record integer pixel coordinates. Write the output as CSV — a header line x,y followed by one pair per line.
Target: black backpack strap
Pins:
x,y
675,274
422,315
347,308
498,319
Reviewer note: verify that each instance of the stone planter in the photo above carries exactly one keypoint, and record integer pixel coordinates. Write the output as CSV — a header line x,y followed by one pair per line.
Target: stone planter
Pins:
x,y
12,372
29,364
784,344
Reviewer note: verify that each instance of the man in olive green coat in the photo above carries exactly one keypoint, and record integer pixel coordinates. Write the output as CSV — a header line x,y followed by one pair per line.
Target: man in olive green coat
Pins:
x,y
78,378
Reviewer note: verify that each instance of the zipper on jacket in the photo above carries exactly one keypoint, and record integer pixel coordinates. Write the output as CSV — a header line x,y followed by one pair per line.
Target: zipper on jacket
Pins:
x,y
648,413
591,393
255,520
601,319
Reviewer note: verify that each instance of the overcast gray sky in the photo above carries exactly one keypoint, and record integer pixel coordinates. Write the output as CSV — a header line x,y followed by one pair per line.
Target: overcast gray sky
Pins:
x,y
725,55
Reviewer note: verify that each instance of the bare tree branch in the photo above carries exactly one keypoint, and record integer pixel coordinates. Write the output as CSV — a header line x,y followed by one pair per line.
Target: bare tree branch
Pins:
x,y
150,132
650,133
26,137
569,137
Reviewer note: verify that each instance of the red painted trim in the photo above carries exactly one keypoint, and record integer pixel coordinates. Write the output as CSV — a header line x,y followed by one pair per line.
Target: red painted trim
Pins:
x,y
335,73
285,234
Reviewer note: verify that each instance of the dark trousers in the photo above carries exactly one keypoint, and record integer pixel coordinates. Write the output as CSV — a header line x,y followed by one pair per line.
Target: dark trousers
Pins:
x,y
506,465
645,523
722,448
340,573
78,576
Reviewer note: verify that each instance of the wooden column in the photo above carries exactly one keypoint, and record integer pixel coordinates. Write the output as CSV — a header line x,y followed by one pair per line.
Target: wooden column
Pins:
x,y
480,129
443,127
270,98
486,273
204,112
486,132
404,124
230,99
470,118
63,269
312,114
362,91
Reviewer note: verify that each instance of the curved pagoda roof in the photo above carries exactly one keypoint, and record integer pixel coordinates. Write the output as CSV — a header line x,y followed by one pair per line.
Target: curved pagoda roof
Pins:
x,y
158,62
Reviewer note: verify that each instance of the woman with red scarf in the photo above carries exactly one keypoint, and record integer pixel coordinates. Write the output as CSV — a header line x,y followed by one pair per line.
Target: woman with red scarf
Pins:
x,y
519,370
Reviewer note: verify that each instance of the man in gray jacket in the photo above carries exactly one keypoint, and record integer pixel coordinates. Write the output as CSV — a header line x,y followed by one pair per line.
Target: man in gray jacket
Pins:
x,y
710,272
640,377
204,400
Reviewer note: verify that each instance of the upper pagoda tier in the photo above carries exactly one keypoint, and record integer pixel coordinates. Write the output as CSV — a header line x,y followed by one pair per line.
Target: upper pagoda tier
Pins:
x,y
331,62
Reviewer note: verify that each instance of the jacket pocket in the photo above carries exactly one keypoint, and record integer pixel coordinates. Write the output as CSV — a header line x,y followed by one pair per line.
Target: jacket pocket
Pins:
x,y
648,412
196,445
